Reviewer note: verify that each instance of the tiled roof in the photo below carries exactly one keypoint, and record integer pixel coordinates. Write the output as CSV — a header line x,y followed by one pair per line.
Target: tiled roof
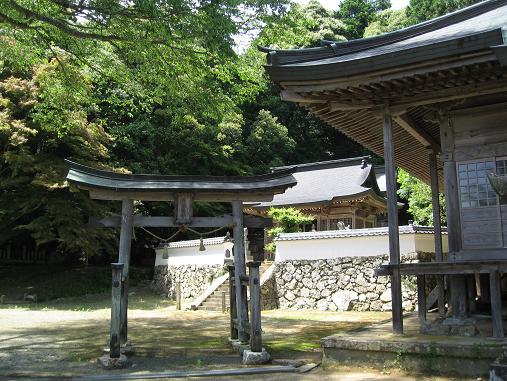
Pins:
x,y
326,181
410,229
476,27
196,242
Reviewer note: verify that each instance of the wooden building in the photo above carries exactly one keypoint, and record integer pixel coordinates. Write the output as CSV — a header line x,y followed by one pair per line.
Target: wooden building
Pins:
x,y
432,99
333,191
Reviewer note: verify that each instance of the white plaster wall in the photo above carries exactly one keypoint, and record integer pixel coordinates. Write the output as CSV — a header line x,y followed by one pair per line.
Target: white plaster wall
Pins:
x,y
366,246
180,256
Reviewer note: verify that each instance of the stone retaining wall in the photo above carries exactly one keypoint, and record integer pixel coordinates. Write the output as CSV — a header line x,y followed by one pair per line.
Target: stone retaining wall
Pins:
x,y
194,279
340,284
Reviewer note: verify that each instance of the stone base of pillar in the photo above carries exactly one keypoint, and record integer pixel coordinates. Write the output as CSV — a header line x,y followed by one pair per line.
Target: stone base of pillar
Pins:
x,y
127,350
109,363
238,346
256,358
454,327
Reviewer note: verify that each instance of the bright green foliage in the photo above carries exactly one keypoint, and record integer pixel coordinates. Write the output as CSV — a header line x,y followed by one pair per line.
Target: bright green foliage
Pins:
x,y
301,26
357,14
269,142
44,119
286,220
422,10
418,195
387,21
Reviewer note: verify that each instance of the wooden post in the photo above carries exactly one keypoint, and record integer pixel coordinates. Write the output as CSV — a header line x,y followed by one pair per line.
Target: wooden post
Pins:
x,y
114,340
177,289
232,300
239,270
496,304
435,201
127,215
421,298
471,292
392,216
457,284
255,307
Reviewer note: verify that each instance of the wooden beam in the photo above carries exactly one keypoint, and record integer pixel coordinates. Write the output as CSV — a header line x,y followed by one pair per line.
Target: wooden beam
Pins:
x,y
342,106
443,268
450,94
197,222
404,121
127,214
392,216
97,194
291,96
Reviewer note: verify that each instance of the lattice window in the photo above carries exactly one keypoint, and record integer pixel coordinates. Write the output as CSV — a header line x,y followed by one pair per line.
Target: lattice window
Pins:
x,y
475,190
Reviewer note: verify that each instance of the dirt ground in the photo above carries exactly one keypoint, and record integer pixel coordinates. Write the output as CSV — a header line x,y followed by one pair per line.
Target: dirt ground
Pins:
x,y
63,339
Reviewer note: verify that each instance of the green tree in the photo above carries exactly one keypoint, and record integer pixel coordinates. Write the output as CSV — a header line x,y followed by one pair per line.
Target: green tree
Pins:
x,y
286,220
44,119
419,197
387,21
422,10
268,144
357,14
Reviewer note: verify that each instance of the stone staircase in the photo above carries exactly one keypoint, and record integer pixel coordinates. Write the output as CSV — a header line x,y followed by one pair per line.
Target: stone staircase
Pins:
x,y
214,301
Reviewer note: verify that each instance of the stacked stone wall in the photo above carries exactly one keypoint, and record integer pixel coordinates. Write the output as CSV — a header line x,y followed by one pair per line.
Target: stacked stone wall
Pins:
x,y
341,284
194,279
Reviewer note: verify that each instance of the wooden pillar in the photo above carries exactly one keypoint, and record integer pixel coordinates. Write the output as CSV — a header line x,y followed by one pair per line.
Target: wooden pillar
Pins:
x,y
435,201
127,216
457,284
392,216
255,307
232,300
239,269
114,339
496,304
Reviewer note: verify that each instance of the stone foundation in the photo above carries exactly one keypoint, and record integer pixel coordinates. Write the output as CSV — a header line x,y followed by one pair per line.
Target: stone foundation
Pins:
x,y
194,279
342,284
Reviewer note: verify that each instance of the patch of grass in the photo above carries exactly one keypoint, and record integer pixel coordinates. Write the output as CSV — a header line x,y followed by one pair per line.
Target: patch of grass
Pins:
x,y
139,299
301,331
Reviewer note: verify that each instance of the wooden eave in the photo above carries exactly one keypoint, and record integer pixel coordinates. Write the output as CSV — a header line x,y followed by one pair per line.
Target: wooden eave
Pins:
x,y
415,96
108,185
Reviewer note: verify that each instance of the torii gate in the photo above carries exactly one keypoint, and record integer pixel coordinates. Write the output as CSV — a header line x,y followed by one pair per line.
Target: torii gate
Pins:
x,y
183,190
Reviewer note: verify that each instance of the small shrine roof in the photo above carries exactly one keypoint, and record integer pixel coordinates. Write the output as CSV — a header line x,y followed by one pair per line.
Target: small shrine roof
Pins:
x,y
327,181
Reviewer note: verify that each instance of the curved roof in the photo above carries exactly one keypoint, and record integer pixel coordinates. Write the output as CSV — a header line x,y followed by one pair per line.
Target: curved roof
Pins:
x,y
327,181
471,29
421,74
118,183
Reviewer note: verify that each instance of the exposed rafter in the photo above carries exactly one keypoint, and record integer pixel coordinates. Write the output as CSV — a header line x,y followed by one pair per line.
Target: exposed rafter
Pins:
x,y
404,121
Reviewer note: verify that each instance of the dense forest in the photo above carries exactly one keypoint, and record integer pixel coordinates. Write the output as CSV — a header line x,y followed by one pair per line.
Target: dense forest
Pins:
x,y
157,87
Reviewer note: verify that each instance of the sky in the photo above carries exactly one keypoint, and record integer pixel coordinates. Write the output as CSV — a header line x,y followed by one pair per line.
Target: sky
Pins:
x,y
333,4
